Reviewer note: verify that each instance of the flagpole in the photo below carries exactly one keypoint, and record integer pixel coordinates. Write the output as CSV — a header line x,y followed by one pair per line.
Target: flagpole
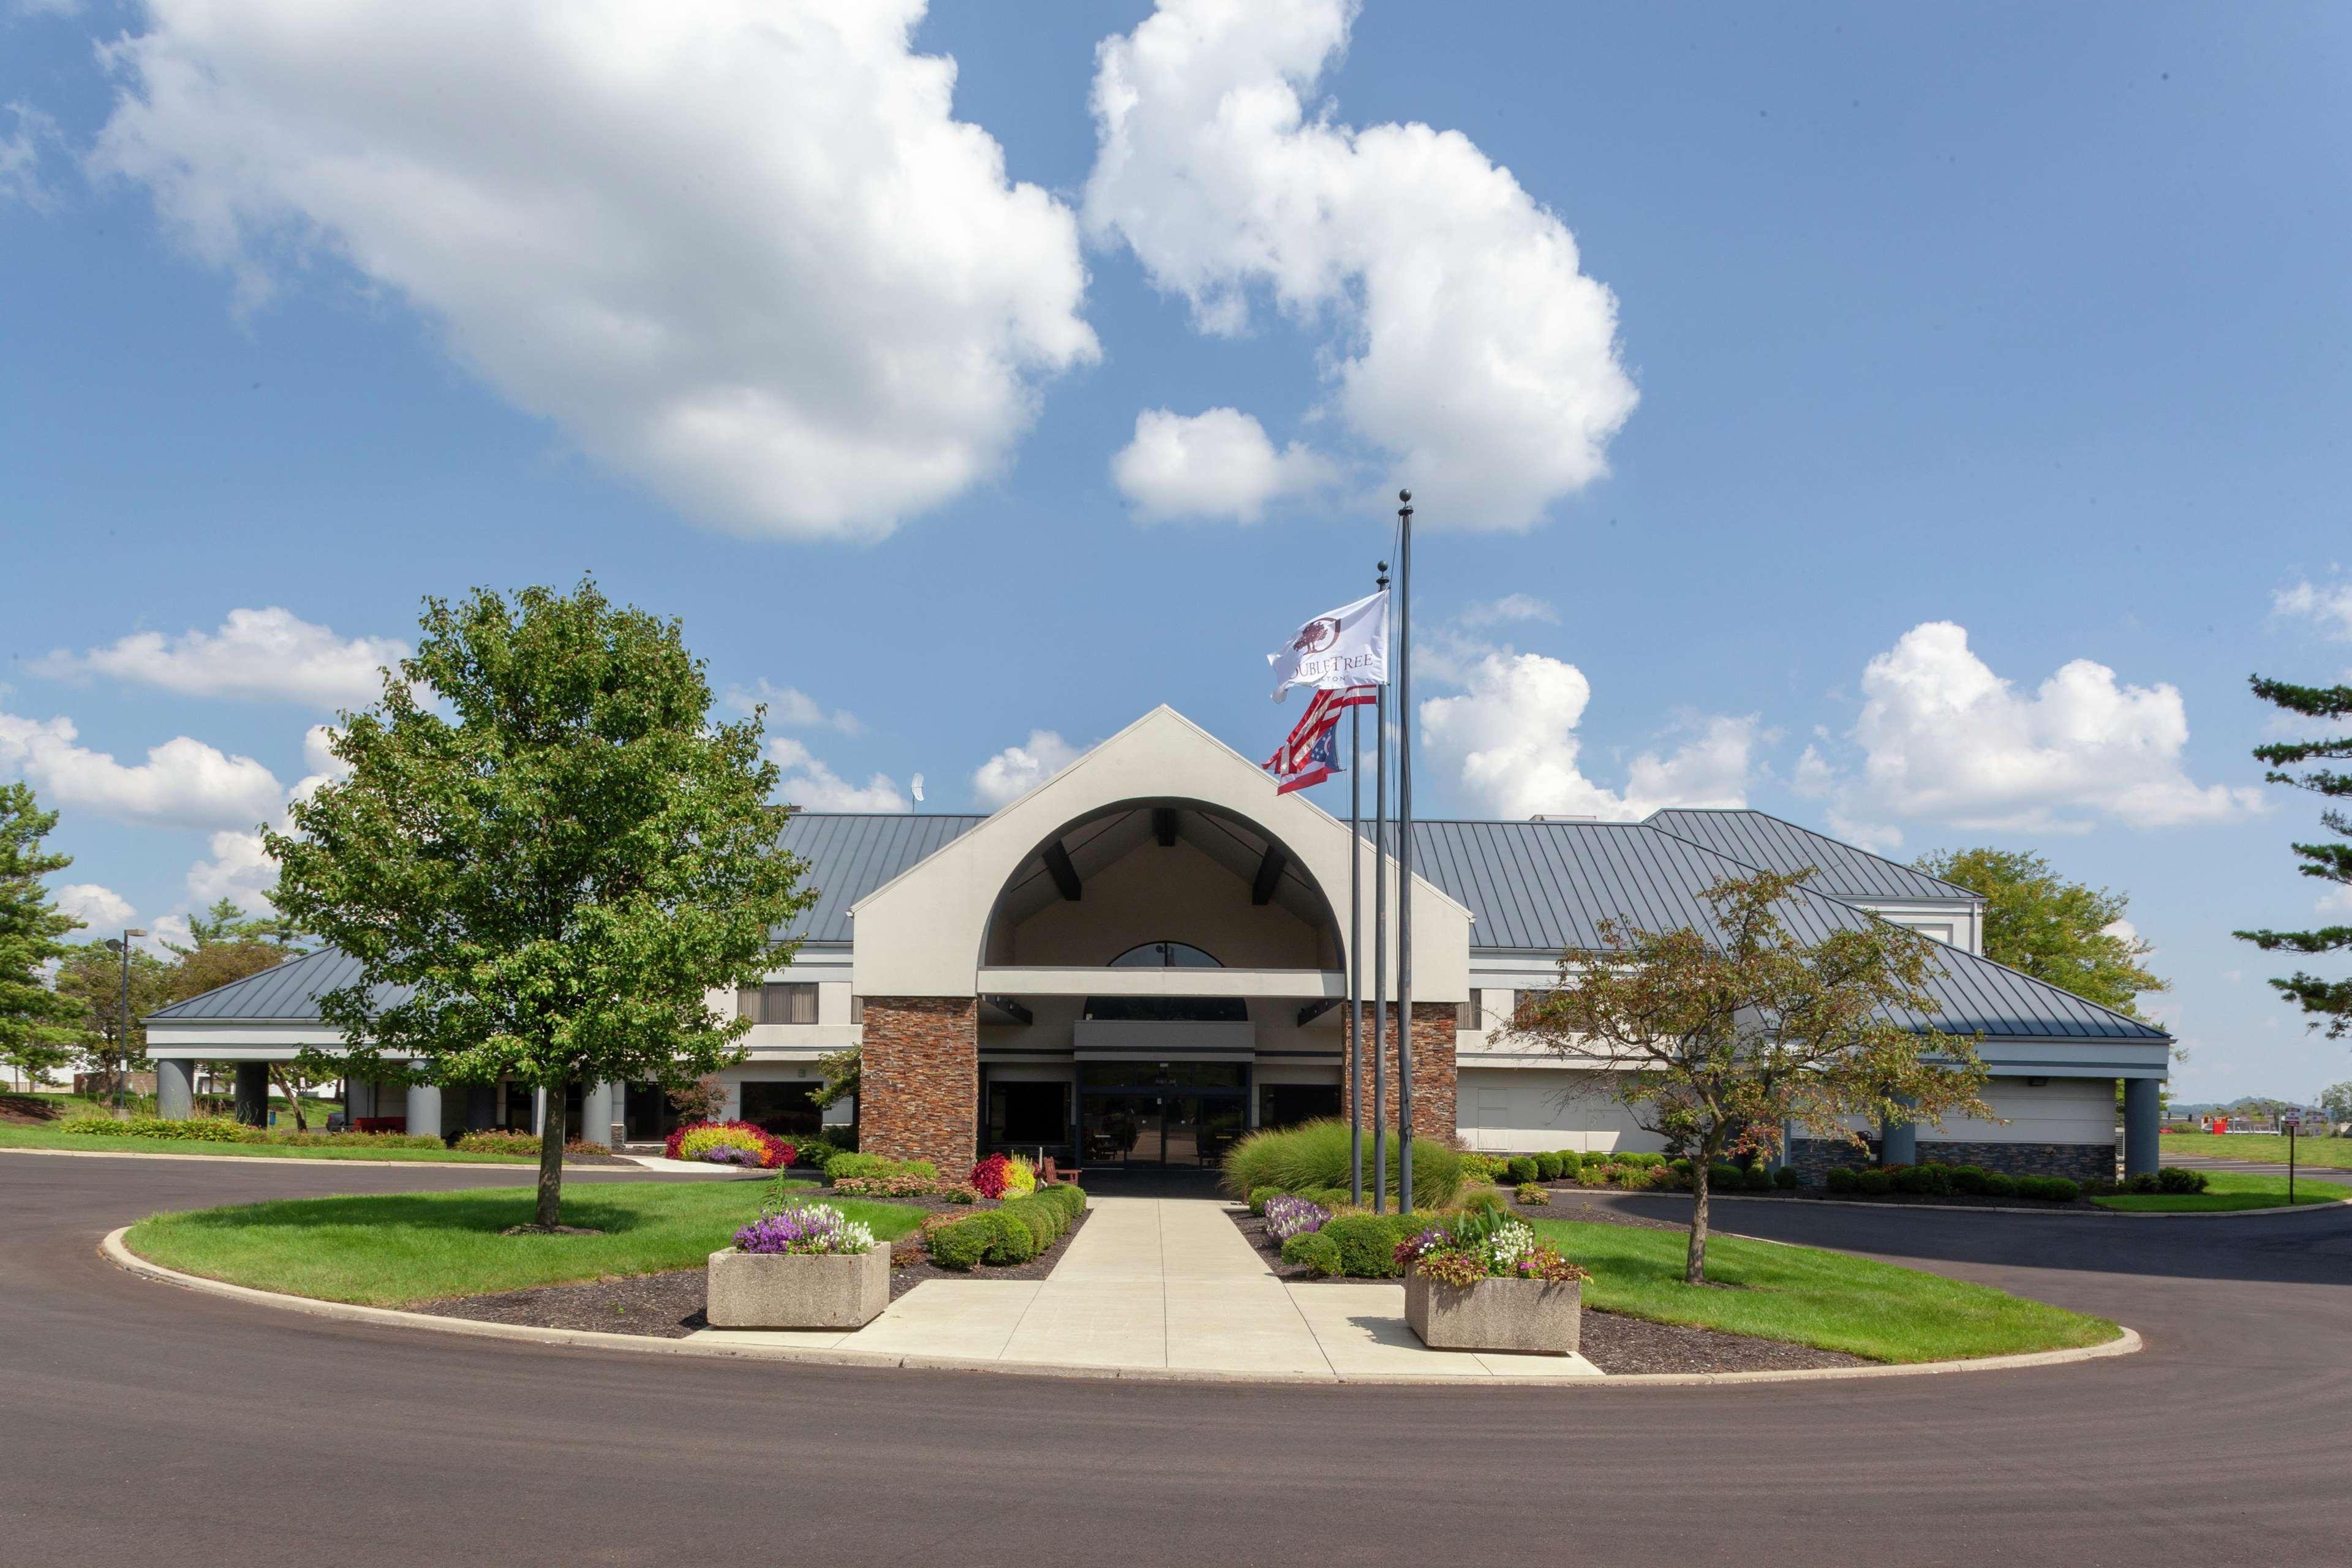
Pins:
x,y
1355,961
1381,939
1404,851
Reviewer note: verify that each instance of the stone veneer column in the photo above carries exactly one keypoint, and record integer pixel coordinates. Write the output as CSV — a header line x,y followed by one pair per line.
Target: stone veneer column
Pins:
x,y
918,1080
1434,1077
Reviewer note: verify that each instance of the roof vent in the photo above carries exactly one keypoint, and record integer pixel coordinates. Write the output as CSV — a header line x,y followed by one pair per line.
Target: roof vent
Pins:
x,y
1541,817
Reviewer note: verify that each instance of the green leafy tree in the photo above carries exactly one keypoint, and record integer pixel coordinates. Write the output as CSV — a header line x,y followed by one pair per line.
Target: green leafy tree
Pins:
x,y
110,1045
841,1073
2327,1003
39,1030
2336,1104
1715,1040
2054,929
544,855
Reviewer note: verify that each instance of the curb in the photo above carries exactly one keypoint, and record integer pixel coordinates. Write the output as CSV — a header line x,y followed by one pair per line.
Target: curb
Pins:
x,y
1973,1208
2128,1343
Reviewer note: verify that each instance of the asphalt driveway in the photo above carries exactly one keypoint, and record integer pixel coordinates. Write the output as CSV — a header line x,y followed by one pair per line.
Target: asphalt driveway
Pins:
x,y
140,1423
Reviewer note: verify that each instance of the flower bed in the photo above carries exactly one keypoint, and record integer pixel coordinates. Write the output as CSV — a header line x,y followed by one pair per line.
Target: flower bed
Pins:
x,y
799,1266
1004,1177
729,1143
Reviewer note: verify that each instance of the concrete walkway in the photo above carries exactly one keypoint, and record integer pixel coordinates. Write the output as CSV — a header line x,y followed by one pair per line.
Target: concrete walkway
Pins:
x,y
1165,1283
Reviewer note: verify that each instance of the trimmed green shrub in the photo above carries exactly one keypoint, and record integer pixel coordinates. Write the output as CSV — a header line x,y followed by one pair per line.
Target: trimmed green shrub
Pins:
x,y
1521,1171
1923,1181
1481,1168
1313,1156
1722,1176
1842,1179
1757,1179
1547,1167
1257,1200
1483,1202
1045,1220
864,1166
1367,1244
1069,1197
2178,1179
1786,1179
964,1244
1638,1161
190,1128
1874,1182
1314,1249
1571,1162
2050,1189
1968,1180
1014,1242
1999,1185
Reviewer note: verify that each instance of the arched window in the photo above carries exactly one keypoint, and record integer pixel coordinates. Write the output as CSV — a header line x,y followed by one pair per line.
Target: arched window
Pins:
x,y
1165,955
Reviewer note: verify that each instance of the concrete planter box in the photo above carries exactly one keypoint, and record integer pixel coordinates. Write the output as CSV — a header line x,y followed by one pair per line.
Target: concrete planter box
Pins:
x,y
1538,1317
794,1291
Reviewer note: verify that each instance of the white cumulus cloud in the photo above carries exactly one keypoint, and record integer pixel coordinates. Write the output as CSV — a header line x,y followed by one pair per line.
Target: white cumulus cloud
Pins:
x,y
1219,464
184,783
101,908
810,785
789,708
1944,739
30,130
1509,608
2328,606
740,249
269,653
1016,770
1466,347
1511,737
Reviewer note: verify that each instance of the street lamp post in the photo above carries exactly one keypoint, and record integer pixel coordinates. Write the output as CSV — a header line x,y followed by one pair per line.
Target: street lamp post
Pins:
x,y
122,1020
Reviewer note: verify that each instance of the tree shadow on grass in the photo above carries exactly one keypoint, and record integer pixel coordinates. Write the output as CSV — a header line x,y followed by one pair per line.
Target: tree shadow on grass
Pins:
x,y
485,1214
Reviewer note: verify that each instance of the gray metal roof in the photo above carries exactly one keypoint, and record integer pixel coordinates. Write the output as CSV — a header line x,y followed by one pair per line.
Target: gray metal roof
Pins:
x,y
851,853
288,993
1535,887
1544,887
1769,843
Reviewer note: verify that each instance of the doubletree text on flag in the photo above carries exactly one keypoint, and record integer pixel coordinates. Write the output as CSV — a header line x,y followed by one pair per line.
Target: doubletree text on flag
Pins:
x,y
1346,647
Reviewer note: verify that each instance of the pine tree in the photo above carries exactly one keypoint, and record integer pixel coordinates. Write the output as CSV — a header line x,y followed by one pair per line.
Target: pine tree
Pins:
x,y
2329,1001
37,1026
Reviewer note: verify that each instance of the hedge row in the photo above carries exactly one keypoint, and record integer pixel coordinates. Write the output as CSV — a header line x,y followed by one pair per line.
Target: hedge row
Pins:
x,y
222,1130
1942,1181
1013,1232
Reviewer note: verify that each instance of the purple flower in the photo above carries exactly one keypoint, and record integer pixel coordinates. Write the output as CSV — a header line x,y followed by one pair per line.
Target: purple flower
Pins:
x,y
1287,1216
807,1228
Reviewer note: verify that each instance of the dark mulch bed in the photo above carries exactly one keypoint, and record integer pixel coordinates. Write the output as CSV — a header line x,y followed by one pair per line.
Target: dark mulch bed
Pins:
x,y
27,1110
669,1306
1611,1341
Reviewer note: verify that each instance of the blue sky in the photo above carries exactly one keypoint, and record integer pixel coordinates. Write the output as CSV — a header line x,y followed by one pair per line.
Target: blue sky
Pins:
x,y
1953,352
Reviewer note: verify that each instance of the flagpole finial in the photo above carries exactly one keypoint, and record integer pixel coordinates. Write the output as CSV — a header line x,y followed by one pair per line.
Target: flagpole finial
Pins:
x,y
1405,496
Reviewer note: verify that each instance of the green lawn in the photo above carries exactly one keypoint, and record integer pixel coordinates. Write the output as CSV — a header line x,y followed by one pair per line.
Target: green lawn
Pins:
x,y
60,1135
2226,1190
397,1250
2265,1147
1809,1296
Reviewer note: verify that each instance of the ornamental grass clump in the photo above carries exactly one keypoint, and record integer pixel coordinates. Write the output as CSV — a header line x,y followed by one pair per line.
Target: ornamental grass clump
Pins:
x,y
1313,1157
1288,1216
807,1229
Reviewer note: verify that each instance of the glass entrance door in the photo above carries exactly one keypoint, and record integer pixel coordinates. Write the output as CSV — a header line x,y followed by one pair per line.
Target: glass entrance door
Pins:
x,y
1186,1120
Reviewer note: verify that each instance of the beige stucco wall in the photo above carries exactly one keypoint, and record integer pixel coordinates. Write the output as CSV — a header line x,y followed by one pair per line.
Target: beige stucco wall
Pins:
x,y
921,934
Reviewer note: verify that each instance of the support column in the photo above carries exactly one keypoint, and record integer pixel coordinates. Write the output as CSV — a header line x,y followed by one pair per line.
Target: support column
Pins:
x,y
253,1093
176,1088
2142,1119
595,1114
1898,1142
424,1110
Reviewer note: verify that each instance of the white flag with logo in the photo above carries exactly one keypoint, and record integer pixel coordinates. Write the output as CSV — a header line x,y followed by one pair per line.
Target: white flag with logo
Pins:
x,y
1346,647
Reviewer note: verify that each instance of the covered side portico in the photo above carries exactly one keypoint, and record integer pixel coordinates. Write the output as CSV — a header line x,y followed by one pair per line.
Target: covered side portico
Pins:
x,y
1134,964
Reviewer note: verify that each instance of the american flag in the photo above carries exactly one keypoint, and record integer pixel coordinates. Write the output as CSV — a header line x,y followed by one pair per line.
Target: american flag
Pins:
x,y
1311,752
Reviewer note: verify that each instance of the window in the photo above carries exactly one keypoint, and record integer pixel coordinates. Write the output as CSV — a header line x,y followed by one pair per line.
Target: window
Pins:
x,y
792,1001
786,1107
1165,955
1472,1013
